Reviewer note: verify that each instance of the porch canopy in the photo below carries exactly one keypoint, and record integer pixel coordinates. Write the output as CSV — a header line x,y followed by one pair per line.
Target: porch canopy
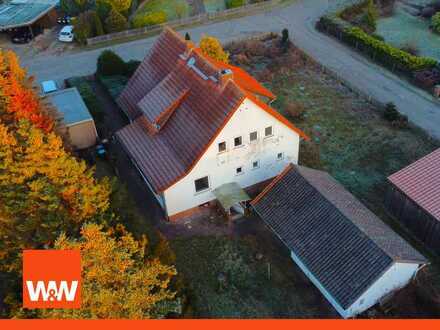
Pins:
x,y
230,194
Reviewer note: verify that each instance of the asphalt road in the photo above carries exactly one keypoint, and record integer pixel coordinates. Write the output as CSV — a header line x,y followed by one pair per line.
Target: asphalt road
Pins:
x,y
299,18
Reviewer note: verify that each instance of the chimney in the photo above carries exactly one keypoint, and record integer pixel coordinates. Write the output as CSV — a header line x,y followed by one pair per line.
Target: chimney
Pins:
x,y
225,75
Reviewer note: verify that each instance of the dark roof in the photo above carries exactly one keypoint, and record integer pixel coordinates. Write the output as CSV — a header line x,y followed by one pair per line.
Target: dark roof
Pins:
x,y
178,103
420,181
343,244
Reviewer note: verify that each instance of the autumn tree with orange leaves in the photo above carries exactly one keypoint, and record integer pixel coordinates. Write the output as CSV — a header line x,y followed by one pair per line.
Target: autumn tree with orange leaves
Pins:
x,y
118,279
18,99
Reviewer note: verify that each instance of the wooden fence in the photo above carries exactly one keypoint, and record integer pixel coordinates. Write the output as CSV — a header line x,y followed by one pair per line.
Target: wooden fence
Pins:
x,y
198,19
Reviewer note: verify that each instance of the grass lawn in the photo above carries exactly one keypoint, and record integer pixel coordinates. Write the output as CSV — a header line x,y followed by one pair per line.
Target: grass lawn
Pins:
x,y
248,290
349,137
212,6
173,8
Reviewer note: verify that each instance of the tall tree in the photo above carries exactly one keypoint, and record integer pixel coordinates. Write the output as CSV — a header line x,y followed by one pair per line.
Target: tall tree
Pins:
x,y
43,191
212,47
18,99
118,279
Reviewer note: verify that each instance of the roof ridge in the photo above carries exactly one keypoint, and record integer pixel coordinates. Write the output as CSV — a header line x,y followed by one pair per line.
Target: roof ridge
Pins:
x,y
272,184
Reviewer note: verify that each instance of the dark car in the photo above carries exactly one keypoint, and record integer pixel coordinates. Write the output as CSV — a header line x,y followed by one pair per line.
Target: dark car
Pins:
x,y
21,37
64,20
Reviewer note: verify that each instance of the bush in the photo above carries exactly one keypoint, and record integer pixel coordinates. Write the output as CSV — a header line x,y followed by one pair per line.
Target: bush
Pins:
x,y
115,22
130,67
234,3
370,16
149,19
89,97
114,84
110,64
391,114
387,54
435,21
295,110
211,47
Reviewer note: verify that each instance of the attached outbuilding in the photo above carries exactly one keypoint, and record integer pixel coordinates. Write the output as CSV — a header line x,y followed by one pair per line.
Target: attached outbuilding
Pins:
x,y
414,199
349,254
75,116
29,14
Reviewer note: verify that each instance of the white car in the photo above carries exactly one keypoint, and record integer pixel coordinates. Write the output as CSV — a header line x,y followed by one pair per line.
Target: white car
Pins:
x,y
66,34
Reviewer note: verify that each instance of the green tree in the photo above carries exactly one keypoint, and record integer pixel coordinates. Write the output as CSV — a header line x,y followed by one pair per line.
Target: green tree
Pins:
x,y
149,19
110,64
234,3
369,19
436,22
115,22
120,6
118,279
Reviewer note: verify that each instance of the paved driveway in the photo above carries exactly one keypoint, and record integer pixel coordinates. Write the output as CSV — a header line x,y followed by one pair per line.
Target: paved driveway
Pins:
x,y
299,18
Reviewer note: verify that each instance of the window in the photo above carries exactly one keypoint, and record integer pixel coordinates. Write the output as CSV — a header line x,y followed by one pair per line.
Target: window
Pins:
x,y
268,131
238,141
222,146
201,184
253,136
255,164
280,156
239,170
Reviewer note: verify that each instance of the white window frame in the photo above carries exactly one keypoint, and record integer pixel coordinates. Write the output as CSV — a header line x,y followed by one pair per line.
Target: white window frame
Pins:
x,y
282,156
240,145
253,141
268,136
218,147
204,190
242,170
258,164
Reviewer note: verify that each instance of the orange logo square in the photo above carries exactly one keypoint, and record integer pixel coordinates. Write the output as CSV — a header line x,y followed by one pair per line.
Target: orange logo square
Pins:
x,y
51,279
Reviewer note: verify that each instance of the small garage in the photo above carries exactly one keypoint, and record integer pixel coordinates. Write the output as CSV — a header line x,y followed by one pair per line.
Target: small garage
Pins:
x,y
27,16
75,116
414,199
349,254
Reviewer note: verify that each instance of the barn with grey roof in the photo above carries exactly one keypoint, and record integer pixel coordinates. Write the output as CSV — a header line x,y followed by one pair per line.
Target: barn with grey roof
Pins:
x,y
344,249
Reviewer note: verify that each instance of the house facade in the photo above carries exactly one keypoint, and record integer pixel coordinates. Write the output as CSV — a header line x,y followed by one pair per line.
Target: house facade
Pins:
x,y
348,253
197,124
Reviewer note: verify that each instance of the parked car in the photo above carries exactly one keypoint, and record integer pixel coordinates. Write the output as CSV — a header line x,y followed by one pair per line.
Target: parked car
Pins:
x,y
64,20
21,37
66,34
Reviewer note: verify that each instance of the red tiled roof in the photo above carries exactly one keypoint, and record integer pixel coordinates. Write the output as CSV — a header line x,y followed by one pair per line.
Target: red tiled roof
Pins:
x,y
178,105
420,181
243,79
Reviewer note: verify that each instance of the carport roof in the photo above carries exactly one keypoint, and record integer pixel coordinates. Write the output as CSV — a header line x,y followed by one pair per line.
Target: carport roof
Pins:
x,y
230,194
70,105
22,13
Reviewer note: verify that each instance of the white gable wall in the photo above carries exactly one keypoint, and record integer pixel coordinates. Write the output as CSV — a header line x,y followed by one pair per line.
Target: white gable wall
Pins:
x,y
221,167
396,277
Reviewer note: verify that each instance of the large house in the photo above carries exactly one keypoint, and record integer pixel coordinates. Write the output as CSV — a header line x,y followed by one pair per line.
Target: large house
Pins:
x,y
198,124
348,253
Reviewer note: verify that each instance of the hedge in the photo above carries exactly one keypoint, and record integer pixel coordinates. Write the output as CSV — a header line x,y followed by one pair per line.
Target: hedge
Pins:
x,y
154,18
378,50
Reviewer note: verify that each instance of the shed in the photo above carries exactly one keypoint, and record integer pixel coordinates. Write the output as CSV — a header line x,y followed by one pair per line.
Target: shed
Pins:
x,y
414,199
26,13
75,116
348,253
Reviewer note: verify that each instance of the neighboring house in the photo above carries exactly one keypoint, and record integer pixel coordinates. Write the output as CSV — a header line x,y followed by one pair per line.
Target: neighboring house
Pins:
x,y
350,255
75,116
414,198
198,124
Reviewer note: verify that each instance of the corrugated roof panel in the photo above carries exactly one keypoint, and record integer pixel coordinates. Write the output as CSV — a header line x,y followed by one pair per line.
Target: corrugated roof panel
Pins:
x,y
420,181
